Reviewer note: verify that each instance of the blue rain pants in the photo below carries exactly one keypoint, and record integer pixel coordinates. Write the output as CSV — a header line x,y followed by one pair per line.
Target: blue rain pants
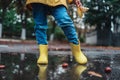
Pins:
x,y
40,12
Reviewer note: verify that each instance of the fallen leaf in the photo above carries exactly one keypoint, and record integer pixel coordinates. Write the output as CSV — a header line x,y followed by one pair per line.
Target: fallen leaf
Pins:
x,y
94,74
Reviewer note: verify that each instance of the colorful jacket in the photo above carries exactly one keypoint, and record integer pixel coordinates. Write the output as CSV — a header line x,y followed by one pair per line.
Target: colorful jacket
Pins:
x,y
48,2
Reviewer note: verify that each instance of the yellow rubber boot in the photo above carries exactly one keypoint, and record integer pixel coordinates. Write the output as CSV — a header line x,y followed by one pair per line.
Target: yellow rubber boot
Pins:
x,y
78,54
43,57
42,75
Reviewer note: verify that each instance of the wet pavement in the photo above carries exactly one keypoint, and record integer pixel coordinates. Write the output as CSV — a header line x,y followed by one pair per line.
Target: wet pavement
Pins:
x,y
18,62
20,66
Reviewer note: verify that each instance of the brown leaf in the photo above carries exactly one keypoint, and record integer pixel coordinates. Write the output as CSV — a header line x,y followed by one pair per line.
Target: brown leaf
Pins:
x,y
94,74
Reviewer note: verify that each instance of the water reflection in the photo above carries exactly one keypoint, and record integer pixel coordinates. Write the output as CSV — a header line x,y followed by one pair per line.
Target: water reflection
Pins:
x,y
18,67
71,73
23,67
76,71
42,74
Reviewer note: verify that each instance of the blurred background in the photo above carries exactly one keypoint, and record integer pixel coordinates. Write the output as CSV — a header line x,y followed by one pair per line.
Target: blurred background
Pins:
x,y
99,26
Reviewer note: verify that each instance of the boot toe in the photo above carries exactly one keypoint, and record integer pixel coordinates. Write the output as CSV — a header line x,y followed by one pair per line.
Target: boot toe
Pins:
x,y
42,61
82,59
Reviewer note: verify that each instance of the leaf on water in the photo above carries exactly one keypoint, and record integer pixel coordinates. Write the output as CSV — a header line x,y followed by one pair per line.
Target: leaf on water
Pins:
x,y
94,74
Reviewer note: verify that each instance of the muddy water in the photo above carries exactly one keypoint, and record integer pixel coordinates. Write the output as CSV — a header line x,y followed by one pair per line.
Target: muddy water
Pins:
x,y
23,67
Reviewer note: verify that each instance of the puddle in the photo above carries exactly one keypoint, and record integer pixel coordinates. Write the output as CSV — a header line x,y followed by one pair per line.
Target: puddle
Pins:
x,y
23,67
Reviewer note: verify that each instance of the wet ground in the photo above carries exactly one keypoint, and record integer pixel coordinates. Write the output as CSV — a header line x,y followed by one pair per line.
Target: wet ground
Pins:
x,y
18,62
22,66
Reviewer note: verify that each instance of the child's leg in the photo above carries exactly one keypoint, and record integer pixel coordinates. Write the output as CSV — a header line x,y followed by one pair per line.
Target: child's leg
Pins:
x,y
40,20
65,22
40,27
